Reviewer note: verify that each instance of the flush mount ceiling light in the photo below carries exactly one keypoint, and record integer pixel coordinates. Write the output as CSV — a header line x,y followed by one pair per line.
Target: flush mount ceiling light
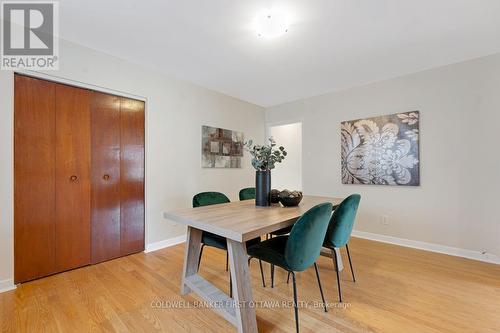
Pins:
x,y
271,23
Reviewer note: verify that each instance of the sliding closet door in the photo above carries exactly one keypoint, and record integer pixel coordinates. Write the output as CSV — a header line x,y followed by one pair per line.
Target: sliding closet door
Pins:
x,y
34,178
105,192
72,243
132,176
78,177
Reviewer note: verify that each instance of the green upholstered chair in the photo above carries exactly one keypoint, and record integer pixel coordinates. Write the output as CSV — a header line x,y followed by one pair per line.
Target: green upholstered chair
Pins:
x,y
300,249
339,231
247,193
213,240
207,238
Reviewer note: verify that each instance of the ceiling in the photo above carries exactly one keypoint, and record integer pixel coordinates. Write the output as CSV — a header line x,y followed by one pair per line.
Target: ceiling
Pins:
x,y
331,44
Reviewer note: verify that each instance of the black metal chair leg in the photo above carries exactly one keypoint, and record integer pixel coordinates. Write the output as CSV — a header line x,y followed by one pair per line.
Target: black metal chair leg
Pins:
x,y
199,258
350,263
272,276
227,260
288,278
261,271
295,303
334,258
320,288
262,274
272,266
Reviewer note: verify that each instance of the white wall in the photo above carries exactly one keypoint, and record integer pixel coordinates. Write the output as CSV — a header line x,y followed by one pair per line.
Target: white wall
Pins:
x,y
456,205
288,174
175,111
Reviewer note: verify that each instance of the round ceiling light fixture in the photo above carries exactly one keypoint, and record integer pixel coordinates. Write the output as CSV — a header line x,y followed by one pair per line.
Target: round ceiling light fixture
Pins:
x,y
271,23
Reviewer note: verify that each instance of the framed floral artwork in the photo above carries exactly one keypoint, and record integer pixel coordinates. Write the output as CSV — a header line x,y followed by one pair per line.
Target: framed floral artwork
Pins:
x,y
381,150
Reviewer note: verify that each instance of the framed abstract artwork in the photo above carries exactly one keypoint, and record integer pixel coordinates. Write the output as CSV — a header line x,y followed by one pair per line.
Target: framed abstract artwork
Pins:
x,y
381,150
221,148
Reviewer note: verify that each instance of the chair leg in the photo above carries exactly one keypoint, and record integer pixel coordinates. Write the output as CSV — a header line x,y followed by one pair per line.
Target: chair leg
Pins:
x,y
295,303
262,274
288,278
334,257
227,260
272,266
350,262
199,258
320,288
261,271
272,276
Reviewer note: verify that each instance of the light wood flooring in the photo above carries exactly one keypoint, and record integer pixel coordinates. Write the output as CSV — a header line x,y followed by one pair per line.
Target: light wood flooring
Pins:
x,y
397,290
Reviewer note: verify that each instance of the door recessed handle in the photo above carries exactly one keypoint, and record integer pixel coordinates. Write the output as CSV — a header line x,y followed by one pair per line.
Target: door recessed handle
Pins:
x,y
73,179
105,177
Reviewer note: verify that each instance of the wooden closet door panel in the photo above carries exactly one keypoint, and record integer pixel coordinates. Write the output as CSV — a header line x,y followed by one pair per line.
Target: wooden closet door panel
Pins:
x,y
34,178
132,176
105,169
72,177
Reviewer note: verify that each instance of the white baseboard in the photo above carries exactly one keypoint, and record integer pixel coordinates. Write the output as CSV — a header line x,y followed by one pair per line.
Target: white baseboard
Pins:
x,y
165,243
453,251
6,285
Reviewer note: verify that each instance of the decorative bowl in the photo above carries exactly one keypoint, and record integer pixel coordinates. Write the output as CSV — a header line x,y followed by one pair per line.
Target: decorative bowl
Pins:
x,y
290,198
275,196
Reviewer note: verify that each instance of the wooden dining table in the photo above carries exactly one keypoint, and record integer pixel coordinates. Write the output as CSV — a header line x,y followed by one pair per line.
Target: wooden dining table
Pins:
x,y
238,222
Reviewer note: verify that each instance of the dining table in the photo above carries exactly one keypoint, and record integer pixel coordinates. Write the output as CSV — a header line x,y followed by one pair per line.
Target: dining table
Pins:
x,y
238,222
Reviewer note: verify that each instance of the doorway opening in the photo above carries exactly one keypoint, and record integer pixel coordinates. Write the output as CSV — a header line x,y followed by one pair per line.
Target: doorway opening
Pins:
x,y
288,174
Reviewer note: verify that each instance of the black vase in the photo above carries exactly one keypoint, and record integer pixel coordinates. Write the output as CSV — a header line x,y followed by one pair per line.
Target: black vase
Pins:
x,y
263,188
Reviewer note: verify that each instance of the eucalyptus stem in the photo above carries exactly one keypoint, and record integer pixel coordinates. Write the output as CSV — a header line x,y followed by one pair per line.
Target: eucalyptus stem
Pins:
x,y
265,157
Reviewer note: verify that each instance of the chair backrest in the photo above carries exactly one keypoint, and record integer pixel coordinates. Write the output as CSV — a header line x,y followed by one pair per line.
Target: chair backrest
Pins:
x,y
306,237
247,193
209,198
342,222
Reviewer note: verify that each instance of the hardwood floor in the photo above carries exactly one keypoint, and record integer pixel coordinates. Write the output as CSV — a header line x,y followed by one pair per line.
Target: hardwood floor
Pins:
x,y
397,290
